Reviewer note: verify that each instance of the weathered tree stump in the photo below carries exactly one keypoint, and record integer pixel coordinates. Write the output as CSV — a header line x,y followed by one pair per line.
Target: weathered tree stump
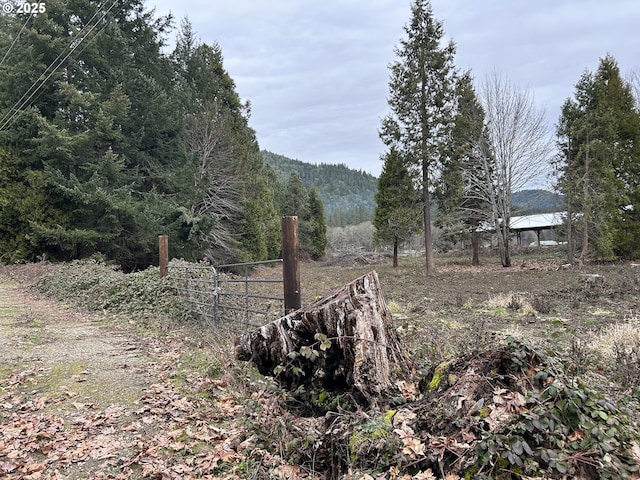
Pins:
x,y
341,343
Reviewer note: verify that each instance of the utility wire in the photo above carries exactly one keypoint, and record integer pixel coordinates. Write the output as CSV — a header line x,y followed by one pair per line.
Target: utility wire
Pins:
x,y
15,39
9,118
12,114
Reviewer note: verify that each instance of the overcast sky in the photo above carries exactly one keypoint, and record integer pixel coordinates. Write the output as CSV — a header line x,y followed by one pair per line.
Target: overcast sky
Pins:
x,y
316,72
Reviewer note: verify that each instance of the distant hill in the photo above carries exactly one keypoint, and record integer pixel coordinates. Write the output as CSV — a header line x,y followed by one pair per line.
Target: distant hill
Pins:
x,y
347,194
529,202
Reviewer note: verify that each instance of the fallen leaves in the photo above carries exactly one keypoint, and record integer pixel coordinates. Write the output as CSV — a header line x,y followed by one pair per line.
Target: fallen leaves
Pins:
x,y
172,432
178,430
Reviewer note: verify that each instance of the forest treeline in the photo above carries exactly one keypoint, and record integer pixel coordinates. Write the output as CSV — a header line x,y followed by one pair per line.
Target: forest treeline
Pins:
x,y
107,140
347,194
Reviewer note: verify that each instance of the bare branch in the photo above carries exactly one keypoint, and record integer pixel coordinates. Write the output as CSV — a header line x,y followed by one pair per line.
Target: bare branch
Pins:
x,y
516,149
207,138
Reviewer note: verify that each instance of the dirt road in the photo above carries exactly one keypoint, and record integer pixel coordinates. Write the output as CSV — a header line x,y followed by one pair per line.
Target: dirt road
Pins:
x,y
60,370
66,353
81,398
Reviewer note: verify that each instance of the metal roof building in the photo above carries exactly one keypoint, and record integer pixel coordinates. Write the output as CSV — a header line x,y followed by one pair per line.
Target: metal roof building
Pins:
x,y
536,223
540,221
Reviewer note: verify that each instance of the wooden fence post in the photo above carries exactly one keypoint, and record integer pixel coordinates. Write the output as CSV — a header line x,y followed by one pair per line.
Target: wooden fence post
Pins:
x,y
290,264
163,243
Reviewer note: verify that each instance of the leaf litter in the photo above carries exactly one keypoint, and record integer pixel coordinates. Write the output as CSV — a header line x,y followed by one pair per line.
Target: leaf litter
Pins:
x,y
173,430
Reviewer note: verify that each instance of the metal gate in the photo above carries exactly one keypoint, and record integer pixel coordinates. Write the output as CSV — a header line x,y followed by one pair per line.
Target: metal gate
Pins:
x,y
228,292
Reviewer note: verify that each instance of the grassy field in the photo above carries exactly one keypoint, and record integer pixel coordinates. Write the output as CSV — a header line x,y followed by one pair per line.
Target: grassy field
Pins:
x,y
462,306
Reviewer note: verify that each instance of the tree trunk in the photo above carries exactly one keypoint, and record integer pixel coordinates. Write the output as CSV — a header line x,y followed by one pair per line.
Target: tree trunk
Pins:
x,y
395,252
505,254
475,246
586,202
426,213
570,252
342,343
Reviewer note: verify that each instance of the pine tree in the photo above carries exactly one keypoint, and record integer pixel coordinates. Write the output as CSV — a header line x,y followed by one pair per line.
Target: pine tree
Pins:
x,y
397,215
421,98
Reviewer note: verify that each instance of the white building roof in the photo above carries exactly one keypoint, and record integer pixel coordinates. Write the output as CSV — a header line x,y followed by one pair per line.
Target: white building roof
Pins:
x,y
537,221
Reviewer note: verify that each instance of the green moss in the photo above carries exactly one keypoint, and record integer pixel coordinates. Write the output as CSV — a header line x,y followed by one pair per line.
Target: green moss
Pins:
x,y
371,431
388,417
438,374
484,412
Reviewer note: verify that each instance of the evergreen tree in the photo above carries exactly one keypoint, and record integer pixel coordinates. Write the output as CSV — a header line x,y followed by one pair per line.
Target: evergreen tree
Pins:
x,y
295,197
459,198
97,149
421,100
398,214
215,129
313,226
599,139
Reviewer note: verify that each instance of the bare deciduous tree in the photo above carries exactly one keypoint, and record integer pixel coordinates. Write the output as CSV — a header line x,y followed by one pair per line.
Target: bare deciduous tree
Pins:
x,y
514,151
206,136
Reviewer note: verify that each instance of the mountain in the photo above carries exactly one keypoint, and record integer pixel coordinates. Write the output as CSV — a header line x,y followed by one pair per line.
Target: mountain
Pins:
x,y
347,194
529,202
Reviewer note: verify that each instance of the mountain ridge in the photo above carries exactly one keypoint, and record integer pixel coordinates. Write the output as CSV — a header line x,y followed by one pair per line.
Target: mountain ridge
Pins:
x,y
348,194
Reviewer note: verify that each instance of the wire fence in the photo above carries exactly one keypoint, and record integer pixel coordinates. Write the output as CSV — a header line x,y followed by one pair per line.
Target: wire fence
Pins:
x,y
231,292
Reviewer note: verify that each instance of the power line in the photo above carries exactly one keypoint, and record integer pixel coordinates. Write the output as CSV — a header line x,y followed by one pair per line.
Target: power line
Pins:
x,y
8,119
12,114
16,39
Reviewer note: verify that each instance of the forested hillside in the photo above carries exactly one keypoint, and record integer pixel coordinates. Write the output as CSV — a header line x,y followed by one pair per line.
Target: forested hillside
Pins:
x,y
347,194
529,202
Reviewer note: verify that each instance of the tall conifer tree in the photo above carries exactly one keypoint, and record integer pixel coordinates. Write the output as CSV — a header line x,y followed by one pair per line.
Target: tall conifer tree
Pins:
x,y
599,163
460,200
421,98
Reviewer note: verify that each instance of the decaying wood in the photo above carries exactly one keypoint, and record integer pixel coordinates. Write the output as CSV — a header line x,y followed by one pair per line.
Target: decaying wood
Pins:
x,y
364,356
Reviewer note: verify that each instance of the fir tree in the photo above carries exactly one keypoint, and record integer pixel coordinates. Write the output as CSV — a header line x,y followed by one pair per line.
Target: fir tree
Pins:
x,y
421,95
398,214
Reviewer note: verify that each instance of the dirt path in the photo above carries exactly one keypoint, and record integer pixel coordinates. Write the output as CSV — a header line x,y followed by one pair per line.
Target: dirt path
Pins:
x,y
68,385
82,398
66,353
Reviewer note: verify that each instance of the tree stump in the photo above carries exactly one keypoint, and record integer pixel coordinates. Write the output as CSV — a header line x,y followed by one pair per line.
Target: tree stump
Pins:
x,y
341,343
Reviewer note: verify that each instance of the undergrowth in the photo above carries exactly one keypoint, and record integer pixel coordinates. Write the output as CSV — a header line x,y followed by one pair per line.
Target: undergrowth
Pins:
x,y
522,412
96,287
